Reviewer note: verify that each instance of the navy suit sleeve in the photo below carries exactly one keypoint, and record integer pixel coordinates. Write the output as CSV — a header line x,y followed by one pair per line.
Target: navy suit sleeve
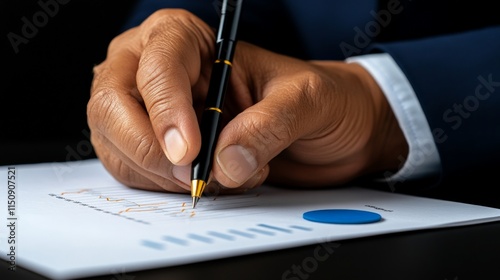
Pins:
x,y
457,81
455,73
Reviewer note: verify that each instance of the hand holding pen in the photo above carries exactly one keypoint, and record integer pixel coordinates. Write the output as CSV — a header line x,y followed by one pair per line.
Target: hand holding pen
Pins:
x,y
212,115
285,120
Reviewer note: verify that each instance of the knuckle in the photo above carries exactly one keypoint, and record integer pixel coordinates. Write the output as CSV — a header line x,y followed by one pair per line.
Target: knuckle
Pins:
x,y
316,99
313,88
166,21
119,41
100,105
152,69
313,81
161,14
160,109
267,132
148,152
153,83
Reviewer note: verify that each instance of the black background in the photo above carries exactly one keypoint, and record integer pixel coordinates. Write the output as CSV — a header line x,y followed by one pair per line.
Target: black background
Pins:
x,y
46,82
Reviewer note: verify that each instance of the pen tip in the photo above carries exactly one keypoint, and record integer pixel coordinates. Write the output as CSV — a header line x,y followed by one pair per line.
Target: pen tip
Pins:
x,y
195,201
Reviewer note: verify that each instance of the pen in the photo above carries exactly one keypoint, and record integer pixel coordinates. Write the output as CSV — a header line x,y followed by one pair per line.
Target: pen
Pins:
x,y
211,116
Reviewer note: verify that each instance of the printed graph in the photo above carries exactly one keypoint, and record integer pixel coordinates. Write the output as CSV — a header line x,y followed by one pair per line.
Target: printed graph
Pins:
x,y
212,237
149,208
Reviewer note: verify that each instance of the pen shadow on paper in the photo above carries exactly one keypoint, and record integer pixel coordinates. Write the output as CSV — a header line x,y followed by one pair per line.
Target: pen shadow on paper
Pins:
x,y
272,196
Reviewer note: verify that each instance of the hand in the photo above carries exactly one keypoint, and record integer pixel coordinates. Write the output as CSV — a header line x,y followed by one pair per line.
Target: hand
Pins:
x,y
293,122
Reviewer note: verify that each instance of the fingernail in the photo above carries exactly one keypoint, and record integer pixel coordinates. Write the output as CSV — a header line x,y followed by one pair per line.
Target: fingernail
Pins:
x,y
175,145
237,163
183,174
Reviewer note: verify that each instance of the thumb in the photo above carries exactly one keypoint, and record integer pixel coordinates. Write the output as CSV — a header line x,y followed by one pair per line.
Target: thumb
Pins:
x,y
261,132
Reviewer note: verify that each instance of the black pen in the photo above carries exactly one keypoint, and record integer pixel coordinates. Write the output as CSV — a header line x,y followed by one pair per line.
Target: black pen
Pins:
x,y
211,117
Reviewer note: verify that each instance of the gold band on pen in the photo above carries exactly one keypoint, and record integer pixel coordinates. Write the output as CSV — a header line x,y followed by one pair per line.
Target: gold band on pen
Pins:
x,y
197,187
225,61
214,109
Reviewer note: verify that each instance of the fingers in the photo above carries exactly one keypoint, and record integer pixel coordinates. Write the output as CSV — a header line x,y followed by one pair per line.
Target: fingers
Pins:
x,y
126,134
288,111
128,172
141,107
169,67
311,122
116,116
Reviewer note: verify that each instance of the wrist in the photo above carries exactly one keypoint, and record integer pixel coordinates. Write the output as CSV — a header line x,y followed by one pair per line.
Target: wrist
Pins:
x,y
382,145
388,146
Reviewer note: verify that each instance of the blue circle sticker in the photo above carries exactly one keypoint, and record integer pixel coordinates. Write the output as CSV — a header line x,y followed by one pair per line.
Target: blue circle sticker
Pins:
x,y
342,216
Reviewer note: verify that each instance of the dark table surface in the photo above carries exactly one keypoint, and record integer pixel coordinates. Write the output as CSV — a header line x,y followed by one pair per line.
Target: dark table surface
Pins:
x,y
469,252
454,253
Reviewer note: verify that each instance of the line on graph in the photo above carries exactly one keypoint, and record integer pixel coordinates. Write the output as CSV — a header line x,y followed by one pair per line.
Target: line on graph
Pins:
x,y
152,207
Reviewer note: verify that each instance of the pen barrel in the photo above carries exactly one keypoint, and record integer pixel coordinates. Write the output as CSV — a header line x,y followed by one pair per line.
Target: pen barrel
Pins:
x,y
230,17
225,50
210,120
219,80
228,27
209,128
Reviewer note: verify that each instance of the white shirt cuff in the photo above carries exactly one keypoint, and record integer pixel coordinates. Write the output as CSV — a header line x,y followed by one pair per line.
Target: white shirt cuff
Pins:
x,y
423,158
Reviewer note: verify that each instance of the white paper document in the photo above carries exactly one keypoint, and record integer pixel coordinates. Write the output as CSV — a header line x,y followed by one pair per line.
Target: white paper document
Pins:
x,y
72,220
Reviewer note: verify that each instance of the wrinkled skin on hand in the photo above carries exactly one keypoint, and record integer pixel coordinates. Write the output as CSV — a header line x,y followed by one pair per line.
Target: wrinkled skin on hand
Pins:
x,y
286,121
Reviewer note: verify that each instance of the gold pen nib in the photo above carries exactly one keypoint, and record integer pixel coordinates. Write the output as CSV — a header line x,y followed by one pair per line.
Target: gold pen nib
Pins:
x,y
197,187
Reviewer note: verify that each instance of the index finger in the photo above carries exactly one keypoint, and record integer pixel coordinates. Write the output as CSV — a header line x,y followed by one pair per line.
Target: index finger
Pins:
x,y
172,64
116,113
